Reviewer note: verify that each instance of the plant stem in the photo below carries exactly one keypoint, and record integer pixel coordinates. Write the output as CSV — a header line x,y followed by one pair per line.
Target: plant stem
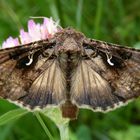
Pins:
x,y
98,17
43,125
64,131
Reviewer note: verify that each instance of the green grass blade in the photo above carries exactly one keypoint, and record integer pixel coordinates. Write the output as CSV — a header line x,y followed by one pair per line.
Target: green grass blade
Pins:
x,y
43,125
53,9
79,14
98,17
60,12
11,13
12,115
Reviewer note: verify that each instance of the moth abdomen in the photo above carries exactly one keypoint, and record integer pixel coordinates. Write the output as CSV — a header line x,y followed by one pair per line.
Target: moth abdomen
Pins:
x,y
69,110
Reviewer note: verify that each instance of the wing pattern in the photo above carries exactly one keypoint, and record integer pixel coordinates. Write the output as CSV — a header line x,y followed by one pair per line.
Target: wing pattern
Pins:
x,y
101,87
38,85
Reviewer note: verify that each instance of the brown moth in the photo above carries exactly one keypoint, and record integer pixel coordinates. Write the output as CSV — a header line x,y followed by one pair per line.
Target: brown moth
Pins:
x,y
70,71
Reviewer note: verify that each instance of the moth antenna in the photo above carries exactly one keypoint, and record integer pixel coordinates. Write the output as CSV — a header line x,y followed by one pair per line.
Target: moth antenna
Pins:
x,y
109,60
30,60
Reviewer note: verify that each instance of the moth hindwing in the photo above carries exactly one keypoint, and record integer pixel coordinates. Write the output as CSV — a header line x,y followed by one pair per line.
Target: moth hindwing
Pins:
x,y
70,71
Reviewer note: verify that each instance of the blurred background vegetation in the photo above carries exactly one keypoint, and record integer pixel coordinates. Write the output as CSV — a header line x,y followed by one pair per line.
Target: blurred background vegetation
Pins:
x,y
116,21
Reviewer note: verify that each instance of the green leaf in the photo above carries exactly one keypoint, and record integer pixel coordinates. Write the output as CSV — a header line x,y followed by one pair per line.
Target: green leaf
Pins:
x,y
12,115
5,131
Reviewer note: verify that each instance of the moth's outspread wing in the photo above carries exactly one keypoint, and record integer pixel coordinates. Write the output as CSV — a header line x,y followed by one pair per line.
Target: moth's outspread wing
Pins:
x,y
39,84
100,86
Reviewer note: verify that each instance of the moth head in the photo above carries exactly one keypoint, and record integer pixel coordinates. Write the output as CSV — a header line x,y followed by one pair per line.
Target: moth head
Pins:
x,y
69,40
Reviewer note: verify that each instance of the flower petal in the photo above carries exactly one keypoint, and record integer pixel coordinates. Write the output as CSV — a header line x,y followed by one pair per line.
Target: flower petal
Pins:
x,y
24,37
44,31
10,42
34,30
50,27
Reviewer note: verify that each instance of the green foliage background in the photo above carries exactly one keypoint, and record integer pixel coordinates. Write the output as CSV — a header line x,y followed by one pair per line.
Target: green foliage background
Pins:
x,y
116,21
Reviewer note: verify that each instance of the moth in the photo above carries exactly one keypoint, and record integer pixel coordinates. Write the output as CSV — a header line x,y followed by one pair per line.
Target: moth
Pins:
x,y
70,71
